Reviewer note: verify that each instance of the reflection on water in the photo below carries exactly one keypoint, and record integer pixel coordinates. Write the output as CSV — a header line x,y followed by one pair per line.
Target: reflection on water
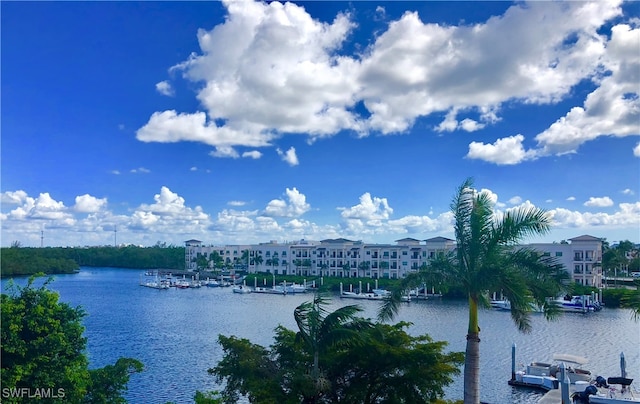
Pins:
x,y
174,333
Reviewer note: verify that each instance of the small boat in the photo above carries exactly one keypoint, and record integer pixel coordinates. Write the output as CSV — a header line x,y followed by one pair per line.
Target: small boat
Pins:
x,y
573,365
182,284
578,304
212,283
354,295
271,291
606,392
154,283
500,304
295,288
522,379
241,289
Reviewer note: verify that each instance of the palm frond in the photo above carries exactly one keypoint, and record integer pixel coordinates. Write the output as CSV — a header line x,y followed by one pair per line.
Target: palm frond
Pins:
x,y
519,223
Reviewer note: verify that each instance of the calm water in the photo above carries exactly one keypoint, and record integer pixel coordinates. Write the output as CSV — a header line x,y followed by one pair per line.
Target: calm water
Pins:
x,y
174,333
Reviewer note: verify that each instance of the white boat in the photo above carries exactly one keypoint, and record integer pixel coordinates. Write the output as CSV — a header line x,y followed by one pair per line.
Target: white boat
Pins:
x,y
154,283
212,283
241,289
354,295
295,288
607,393
573,365
381,292
272,291
500,304
534,381
578,304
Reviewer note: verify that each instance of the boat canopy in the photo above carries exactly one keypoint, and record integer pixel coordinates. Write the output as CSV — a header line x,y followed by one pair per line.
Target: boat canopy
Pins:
x,y
580,360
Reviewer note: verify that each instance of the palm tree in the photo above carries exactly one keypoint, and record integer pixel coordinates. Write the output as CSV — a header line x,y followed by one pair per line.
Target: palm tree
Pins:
x,y
320,331
245,258
257,260
632,301
487,259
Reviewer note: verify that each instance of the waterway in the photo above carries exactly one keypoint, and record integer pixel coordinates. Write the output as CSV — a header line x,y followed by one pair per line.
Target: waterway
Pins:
x,y
174,333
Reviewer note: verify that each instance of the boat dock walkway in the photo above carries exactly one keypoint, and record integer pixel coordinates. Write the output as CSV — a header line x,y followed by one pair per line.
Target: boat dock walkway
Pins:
x,y
553,396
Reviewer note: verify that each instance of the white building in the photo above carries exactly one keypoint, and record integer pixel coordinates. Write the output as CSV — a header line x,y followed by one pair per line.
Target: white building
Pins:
x,y
581,256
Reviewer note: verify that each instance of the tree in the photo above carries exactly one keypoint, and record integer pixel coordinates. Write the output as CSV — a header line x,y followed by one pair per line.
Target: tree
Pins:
x,y
363,268
336,357
42,347
487,259
245,258
320,331
631,300
110,382
257,260
202,263
216,258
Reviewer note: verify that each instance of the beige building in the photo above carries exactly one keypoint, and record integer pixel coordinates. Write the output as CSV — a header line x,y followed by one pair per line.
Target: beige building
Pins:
x,y
581,256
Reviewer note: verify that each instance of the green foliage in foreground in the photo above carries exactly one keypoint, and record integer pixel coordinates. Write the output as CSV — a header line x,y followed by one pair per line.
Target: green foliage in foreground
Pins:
x,y
336,357
43,348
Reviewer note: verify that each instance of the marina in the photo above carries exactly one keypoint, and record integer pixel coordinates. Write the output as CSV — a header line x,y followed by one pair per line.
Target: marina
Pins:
x,y
124,319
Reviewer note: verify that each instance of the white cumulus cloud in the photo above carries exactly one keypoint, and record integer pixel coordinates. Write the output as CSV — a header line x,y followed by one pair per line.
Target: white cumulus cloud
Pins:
x,y
89,204
295,205
599,202
504,151
369,209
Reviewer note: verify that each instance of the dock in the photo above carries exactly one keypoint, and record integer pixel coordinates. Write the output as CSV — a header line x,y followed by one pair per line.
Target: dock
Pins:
x,y
553,397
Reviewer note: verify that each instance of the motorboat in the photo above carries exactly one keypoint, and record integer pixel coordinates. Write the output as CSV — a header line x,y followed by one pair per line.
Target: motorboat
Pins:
x,y
503,304
578,304
241,289
616,390
573,364
272,291
354,295
522,379
296,288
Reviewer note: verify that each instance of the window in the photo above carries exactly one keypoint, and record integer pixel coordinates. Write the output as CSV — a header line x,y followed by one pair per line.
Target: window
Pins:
x,y
546,254
558,253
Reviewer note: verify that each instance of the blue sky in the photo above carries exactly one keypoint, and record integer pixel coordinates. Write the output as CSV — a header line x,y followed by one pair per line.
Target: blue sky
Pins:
x,y
244,122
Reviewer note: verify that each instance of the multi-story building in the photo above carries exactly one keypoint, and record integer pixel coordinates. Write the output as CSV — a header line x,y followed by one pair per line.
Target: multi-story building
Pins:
x,y
581,256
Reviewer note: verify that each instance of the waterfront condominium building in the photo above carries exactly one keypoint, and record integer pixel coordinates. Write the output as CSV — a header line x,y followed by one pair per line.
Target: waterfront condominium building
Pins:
x,y
581,256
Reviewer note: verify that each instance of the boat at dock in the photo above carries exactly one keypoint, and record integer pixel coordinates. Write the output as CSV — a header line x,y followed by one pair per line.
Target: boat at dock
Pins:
x,y
355,295
610,394
573,365
241,289
153,281
270,291
578,304
614,390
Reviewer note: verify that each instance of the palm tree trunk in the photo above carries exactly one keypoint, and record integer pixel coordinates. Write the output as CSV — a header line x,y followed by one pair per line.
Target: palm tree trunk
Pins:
x,y
472,356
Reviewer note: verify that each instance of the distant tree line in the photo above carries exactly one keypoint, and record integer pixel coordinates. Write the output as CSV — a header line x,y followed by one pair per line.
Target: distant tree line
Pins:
x,y
18,260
